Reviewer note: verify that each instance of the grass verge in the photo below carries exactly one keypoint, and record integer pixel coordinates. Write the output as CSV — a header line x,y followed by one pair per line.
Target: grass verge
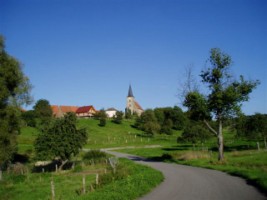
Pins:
x,y
248,164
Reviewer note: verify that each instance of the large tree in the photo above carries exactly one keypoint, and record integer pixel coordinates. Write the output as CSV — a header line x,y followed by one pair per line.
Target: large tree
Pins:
x,y
62,140
43,112
14,92
224,98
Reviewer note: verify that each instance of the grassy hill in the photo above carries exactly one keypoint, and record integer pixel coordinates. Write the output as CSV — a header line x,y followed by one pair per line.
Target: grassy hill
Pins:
x,y
112,135
241,156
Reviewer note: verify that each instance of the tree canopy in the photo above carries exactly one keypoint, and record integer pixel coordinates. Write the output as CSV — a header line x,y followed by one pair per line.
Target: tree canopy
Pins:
x,y
14,92
61,140
252,127
161,120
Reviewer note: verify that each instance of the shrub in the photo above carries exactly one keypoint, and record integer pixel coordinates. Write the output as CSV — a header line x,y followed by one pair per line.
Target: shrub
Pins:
x,y
194,132
77,168
94,155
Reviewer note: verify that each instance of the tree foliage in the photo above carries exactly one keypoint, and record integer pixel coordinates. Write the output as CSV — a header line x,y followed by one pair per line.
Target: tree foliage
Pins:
x,y
62,140
43,113
195,132
102,117
225,95
252,127
29,118
148,122
117,119
161,120
43,109
14,91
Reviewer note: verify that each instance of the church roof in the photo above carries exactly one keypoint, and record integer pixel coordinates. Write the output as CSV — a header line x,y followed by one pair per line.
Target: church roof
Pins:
x,y
137,105
130,92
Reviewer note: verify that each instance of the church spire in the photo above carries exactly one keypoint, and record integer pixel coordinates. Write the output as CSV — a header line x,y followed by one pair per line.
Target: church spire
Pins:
x,y
130,92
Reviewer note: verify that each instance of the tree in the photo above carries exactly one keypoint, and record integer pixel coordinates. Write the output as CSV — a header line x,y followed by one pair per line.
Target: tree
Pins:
x,y
102,117
254,126
62,140
14,92
43,109
117,119
43,112
148,122
194,132
178,118
29,118
128,114
224,98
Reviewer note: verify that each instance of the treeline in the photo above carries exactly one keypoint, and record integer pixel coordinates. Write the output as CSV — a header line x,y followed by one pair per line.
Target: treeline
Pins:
x,y
165,120
252,126
161,120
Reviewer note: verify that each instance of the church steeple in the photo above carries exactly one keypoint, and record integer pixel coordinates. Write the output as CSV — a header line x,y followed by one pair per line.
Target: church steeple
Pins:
x,y
130,92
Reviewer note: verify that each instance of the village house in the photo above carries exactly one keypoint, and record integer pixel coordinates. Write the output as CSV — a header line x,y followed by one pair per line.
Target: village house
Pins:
x,y
86,111
60,111
111,112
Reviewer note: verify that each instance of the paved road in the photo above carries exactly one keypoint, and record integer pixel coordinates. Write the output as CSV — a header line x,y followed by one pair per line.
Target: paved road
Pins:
x,y
193,183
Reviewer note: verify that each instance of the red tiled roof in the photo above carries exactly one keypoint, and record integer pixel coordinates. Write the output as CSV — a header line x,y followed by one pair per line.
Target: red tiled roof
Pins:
x,y
85,109
137,105
55,110
59,111
66,109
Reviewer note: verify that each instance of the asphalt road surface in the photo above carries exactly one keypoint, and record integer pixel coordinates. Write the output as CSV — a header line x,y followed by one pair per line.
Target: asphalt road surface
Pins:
x,y
193,183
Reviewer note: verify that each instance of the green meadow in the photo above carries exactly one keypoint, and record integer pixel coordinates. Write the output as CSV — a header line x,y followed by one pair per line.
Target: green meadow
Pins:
x,y
242,158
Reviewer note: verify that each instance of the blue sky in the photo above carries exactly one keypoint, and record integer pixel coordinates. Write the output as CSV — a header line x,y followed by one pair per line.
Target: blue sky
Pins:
x,y
87,52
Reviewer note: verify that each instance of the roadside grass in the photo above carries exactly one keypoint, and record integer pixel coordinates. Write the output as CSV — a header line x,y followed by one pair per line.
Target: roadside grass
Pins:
x,y
140,180
131,181
249,164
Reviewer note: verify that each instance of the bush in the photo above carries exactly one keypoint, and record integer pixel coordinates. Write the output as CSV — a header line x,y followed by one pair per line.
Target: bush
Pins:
x,y
102,122
77,168
120,174
94,155
194,132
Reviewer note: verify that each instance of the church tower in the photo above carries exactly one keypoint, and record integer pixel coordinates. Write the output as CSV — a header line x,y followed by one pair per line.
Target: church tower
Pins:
x,y
131,104
130,100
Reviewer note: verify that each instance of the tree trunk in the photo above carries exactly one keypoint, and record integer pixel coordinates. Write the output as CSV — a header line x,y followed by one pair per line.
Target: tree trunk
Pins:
x,y
62,164
220,141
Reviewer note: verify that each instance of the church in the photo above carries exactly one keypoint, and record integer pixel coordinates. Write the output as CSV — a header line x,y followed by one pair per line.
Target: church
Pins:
x,y
132,105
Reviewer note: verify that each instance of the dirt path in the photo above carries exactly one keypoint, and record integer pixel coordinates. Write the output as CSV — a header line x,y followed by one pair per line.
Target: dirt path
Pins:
x,y
186,183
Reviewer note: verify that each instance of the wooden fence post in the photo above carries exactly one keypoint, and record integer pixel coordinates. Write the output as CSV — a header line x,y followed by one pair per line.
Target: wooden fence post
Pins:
x,y
53,189
84,188
258,144
96,179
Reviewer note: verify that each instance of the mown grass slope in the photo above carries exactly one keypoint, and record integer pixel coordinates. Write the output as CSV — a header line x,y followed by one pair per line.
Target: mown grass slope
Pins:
x,y
112,135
